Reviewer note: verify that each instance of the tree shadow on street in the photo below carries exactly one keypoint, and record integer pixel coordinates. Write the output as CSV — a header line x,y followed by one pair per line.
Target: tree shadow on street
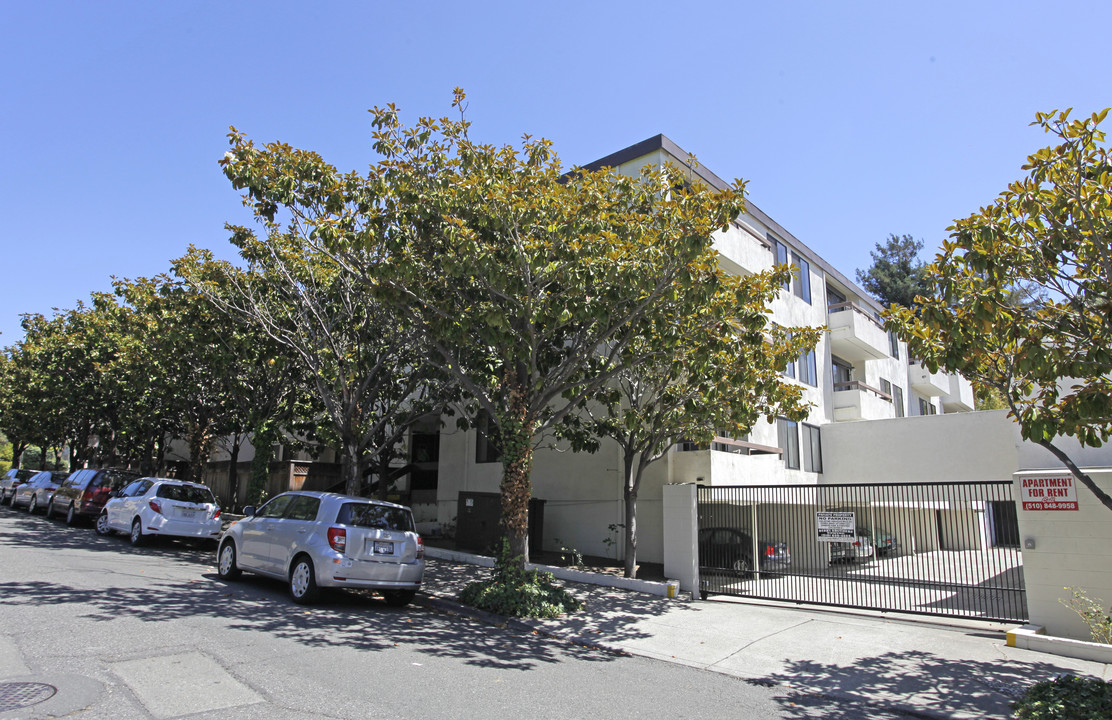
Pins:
x,y
910,680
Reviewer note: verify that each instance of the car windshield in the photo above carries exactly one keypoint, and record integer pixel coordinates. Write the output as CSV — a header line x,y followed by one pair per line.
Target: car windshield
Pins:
x,y
185,493
375,516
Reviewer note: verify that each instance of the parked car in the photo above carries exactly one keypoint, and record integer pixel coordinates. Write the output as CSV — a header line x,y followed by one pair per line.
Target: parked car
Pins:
x,y
884,542
12,480
852,551
160,506
37,492
84,493
315,540
723,547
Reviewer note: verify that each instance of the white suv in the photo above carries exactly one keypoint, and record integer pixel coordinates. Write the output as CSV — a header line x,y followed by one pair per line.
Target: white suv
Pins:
x,y
313,540
157,506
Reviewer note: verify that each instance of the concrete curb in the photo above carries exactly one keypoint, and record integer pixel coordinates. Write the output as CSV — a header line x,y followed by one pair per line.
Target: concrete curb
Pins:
x,y
1034,637
649,587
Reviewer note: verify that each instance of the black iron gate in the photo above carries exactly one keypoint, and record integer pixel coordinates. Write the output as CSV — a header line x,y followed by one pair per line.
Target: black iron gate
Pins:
x,y
934,548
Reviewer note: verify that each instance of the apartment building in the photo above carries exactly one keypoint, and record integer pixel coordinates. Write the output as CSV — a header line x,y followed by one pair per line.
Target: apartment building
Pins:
x,y
857,372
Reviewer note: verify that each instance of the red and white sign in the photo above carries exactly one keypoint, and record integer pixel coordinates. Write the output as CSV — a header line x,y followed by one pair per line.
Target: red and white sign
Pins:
x,y
1053,493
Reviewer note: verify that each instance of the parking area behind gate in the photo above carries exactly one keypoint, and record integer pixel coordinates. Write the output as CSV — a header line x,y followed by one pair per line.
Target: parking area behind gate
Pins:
x,y
947,548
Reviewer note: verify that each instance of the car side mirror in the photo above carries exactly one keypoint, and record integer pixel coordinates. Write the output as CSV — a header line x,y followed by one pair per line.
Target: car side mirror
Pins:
x,y
249,511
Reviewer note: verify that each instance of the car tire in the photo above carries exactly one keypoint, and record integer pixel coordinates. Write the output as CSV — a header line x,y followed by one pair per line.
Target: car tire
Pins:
x,y
398,598
102,527
303,581
33,506
743,566
136,536
71,515
49,512
226,566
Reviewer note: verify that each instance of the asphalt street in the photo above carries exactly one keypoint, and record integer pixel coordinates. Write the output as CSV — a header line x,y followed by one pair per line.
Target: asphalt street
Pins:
x,y
152,632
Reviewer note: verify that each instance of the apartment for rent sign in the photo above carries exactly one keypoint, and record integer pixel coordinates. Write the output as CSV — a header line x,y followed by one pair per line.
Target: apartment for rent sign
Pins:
x,y
1057,493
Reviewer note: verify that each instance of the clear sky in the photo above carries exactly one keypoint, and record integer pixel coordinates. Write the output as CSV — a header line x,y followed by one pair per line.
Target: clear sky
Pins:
x,y
849,120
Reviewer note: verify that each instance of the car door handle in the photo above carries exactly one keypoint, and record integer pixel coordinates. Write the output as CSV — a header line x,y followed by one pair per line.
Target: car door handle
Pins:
x,y
302,531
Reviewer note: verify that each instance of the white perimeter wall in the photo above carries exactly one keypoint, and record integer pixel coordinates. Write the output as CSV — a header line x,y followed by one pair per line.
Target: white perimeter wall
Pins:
x,y
1073,548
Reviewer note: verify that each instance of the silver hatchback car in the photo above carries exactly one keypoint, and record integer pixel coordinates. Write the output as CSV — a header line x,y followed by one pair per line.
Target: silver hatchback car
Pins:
x,y
314,540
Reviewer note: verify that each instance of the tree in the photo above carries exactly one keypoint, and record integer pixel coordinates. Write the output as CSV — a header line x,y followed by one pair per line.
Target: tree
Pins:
x,y
365,364
1049,356
896,275
722,376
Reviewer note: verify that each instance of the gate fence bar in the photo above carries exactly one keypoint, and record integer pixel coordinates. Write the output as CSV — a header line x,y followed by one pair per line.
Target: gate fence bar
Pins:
x,y
945,548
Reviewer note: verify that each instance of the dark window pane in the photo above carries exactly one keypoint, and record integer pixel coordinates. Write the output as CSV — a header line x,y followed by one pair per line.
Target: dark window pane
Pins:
x,y
375,516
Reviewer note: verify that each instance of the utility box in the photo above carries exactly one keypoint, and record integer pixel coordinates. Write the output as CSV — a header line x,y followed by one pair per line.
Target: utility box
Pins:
x,y
478,526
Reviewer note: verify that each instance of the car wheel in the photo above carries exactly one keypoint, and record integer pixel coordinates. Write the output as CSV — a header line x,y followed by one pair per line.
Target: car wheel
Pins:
x,y
49,512
136,536
743,565
303,581
226,566
71,515
33,506
399,598
102,525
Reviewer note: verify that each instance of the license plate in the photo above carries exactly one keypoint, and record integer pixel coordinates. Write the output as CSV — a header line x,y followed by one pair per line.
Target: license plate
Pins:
x,y
188,513
384,548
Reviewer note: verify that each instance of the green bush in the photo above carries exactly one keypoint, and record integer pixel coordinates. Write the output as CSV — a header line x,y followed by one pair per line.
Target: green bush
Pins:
x,y
1067,697
515,592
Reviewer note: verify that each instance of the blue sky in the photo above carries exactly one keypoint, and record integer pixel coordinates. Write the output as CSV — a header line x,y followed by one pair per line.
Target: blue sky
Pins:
x,y
849,120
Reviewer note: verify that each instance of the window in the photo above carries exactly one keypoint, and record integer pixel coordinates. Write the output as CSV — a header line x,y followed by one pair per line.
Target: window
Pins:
x,y
833,297
926,408
382,517
898,398
782,258
893,345
808,368
488,447
842,371
802,278
303,507
812,449
187,493
885,387
275,508
788,434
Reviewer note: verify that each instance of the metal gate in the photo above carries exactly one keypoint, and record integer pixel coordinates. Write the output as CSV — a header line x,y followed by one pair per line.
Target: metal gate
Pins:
x,y
933,548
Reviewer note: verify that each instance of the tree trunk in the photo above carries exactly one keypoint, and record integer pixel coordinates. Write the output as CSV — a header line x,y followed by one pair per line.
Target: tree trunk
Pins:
x,y
351,468
263,441
42,458
516,433
629,492
233,469
200,446
383,472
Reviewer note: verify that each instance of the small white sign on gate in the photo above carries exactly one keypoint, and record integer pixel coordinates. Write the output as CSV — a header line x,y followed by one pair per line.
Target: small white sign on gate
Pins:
x,y
836,526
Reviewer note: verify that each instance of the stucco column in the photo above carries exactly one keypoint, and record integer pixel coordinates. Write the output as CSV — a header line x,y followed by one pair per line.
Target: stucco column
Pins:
x,y
681,532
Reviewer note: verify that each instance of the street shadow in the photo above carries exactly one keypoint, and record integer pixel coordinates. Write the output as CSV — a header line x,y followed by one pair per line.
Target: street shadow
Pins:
x,y
344,618
908,679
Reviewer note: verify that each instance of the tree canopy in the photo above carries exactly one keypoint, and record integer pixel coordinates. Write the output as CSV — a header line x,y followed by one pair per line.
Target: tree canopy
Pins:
x,y
1049,354
896,276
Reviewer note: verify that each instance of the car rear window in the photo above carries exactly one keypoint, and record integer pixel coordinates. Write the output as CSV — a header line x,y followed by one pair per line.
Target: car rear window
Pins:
x,y
375,516
185,493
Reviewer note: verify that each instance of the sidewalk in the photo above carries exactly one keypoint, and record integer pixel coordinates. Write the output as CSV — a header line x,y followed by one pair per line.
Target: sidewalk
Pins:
x,y
923,667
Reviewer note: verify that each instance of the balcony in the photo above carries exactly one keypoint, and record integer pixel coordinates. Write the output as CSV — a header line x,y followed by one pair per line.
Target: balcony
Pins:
x,y
926,383
855,334
855,400
960,397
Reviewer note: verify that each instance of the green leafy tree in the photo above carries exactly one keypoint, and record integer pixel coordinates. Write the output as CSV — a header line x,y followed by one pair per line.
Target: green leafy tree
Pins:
x,y
896,275
1050,356
366,366
723,375
527,279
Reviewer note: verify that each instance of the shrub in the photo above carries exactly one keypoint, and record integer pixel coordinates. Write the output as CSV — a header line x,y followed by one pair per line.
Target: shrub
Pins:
x,y
514,592
1093,613
1067,697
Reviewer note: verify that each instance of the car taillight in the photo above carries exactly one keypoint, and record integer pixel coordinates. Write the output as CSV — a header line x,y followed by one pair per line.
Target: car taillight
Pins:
x,y
155,506
216,514
420,548
769,551
857,543
337,538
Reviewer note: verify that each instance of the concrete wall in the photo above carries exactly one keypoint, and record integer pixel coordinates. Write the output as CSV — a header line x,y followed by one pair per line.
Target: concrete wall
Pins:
x,y
931,448
1072,548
